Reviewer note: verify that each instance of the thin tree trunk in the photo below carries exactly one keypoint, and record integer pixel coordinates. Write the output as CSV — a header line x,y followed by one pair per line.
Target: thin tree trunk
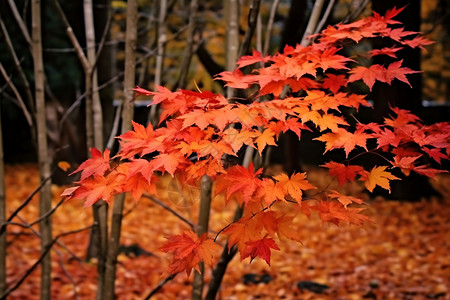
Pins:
x,y
162,38
45,197
94,118
2,216
232,42
312,23
203,223
189,50
127,116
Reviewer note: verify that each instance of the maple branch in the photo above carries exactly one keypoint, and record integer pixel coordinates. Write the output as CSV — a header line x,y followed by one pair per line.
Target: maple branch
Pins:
x,y
353,15
43,254
273,11
252,20
29,198
18,96
61,263
368,152
163,205
324,17
22,76
160,285
113,79
313,19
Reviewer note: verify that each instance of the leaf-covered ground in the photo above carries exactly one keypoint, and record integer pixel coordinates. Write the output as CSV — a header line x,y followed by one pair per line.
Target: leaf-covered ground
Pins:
x,y
405,255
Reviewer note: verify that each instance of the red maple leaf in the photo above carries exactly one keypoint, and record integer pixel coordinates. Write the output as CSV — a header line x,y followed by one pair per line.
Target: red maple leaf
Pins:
x,y
98,164
260,248
343,172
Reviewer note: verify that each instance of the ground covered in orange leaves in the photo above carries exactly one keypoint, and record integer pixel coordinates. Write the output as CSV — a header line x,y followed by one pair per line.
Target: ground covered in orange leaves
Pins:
x,y
405,255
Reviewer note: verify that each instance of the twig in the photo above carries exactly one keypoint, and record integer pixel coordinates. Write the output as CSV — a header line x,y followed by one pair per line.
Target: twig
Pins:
x,y
16,60
252,20
24,203
61,263
113,79
324,17
157,201
20,22
160,285
312,23
273,11
43,254
18,96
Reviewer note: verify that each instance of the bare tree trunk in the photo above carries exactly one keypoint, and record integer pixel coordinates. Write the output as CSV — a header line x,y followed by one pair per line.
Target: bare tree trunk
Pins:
x,y
189,50
203,223
312,23
2,216
94,118
45,197
232,42
127,116
162,38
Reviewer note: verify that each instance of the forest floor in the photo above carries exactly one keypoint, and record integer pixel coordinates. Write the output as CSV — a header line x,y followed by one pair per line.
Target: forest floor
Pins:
x,y
403,255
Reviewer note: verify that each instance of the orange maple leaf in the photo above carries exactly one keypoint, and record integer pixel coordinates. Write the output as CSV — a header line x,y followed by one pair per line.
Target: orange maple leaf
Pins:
x,y
266,138
345,200
295,185
188,250
335,212
378,176
240,180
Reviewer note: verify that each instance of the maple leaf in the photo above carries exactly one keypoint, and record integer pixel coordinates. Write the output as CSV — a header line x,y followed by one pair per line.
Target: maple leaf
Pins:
x,y
368,74
418,41
342,138
235,79
266,138
295,185
239,233
168,162
435,154
343,172
260,248
139,141
378,176
405,163
269,191
427,171
239,179
141,91
251,59
389,51
395,71
334,82
345,200
98,164
335,212
96,188
329,59
188,250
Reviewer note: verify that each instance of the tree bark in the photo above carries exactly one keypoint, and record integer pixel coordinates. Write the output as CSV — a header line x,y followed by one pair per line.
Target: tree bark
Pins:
x,y
127,116
45,197
159,62
189,50
2,216
203,223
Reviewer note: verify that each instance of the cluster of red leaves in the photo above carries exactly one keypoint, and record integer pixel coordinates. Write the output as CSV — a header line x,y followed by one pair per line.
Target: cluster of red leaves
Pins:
x,y
403,256
201,128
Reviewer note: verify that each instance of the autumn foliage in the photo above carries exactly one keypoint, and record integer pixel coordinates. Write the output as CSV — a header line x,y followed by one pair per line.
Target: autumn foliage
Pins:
x,y
200,130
